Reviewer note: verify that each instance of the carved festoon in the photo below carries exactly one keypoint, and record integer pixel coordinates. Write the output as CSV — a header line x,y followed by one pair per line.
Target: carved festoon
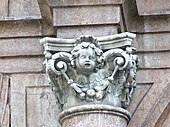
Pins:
x,y
87,72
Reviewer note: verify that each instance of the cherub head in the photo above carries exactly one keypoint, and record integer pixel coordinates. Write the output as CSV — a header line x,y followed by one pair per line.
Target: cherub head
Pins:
x,y
87,57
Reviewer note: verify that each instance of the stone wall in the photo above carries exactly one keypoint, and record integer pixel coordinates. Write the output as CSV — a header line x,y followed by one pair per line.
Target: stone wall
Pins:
x,y
25,96
150,21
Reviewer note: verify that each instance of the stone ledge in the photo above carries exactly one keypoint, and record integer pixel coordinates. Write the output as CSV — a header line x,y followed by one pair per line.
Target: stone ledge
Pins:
x,y
55,3
74,16
106,42
3,18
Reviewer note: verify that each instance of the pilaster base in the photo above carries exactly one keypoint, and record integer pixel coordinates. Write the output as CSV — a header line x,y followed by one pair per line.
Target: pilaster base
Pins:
x,y
94,116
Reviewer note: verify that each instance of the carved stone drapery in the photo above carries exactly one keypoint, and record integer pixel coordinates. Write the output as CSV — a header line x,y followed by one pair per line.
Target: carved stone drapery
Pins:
x,y
90,70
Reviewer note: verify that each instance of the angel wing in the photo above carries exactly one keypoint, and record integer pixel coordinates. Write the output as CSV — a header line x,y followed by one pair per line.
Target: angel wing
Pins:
x,y
116,57
115,60
121,68
56,67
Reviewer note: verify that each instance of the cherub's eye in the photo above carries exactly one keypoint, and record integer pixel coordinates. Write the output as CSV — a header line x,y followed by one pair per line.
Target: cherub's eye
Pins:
x,y
83,56
91,57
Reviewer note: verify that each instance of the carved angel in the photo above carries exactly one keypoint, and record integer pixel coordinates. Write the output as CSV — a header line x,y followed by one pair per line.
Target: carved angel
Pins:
x,y
88,74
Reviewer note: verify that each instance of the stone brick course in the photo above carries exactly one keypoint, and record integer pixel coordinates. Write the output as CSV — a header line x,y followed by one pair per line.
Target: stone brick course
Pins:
x,y
21,64
86,15
20,47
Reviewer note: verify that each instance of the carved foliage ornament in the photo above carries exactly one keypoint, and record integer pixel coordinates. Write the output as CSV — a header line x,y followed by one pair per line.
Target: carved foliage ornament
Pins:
x,y
88,74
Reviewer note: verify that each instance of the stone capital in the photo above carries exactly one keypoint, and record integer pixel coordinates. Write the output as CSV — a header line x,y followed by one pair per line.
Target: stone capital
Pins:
x,y
91,70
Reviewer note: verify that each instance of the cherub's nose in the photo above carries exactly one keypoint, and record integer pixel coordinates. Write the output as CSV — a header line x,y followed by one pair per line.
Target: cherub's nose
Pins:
x,y
87,59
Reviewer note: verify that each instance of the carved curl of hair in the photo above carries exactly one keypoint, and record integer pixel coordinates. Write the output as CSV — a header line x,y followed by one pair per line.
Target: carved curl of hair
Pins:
x,y
88,42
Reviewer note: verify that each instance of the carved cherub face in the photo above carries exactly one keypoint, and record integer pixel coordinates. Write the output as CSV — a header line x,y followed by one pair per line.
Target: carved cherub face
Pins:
x,y
86,61
87,57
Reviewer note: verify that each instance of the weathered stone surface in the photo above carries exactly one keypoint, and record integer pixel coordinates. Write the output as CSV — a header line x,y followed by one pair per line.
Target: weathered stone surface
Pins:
x,y
26,18
160,109
154,60
143,24
166,121
24,9
131,18
144,76
38,80
75,32
32,101
20,28
152,42
4,101
20,47
94,115
152,7
140,92
25,28
47,19
21,64
3,8
84,2
156,24
161,82
41,107
86,15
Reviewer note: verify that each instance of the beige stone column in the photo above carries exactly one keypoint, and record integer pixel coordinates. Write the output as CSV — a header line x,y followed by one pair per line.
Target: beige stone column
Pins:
x,y
94,116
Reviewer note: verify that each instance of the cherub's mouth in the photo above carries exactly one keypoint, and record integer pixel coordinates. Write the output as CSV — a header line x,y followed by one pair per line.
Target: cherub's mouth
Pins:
x,y
87,64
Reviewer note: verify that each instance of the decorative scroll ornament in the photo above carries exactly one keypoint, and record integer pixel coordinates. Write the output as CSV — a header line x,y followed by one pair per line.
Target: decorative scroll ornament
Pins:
x,y
87,74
